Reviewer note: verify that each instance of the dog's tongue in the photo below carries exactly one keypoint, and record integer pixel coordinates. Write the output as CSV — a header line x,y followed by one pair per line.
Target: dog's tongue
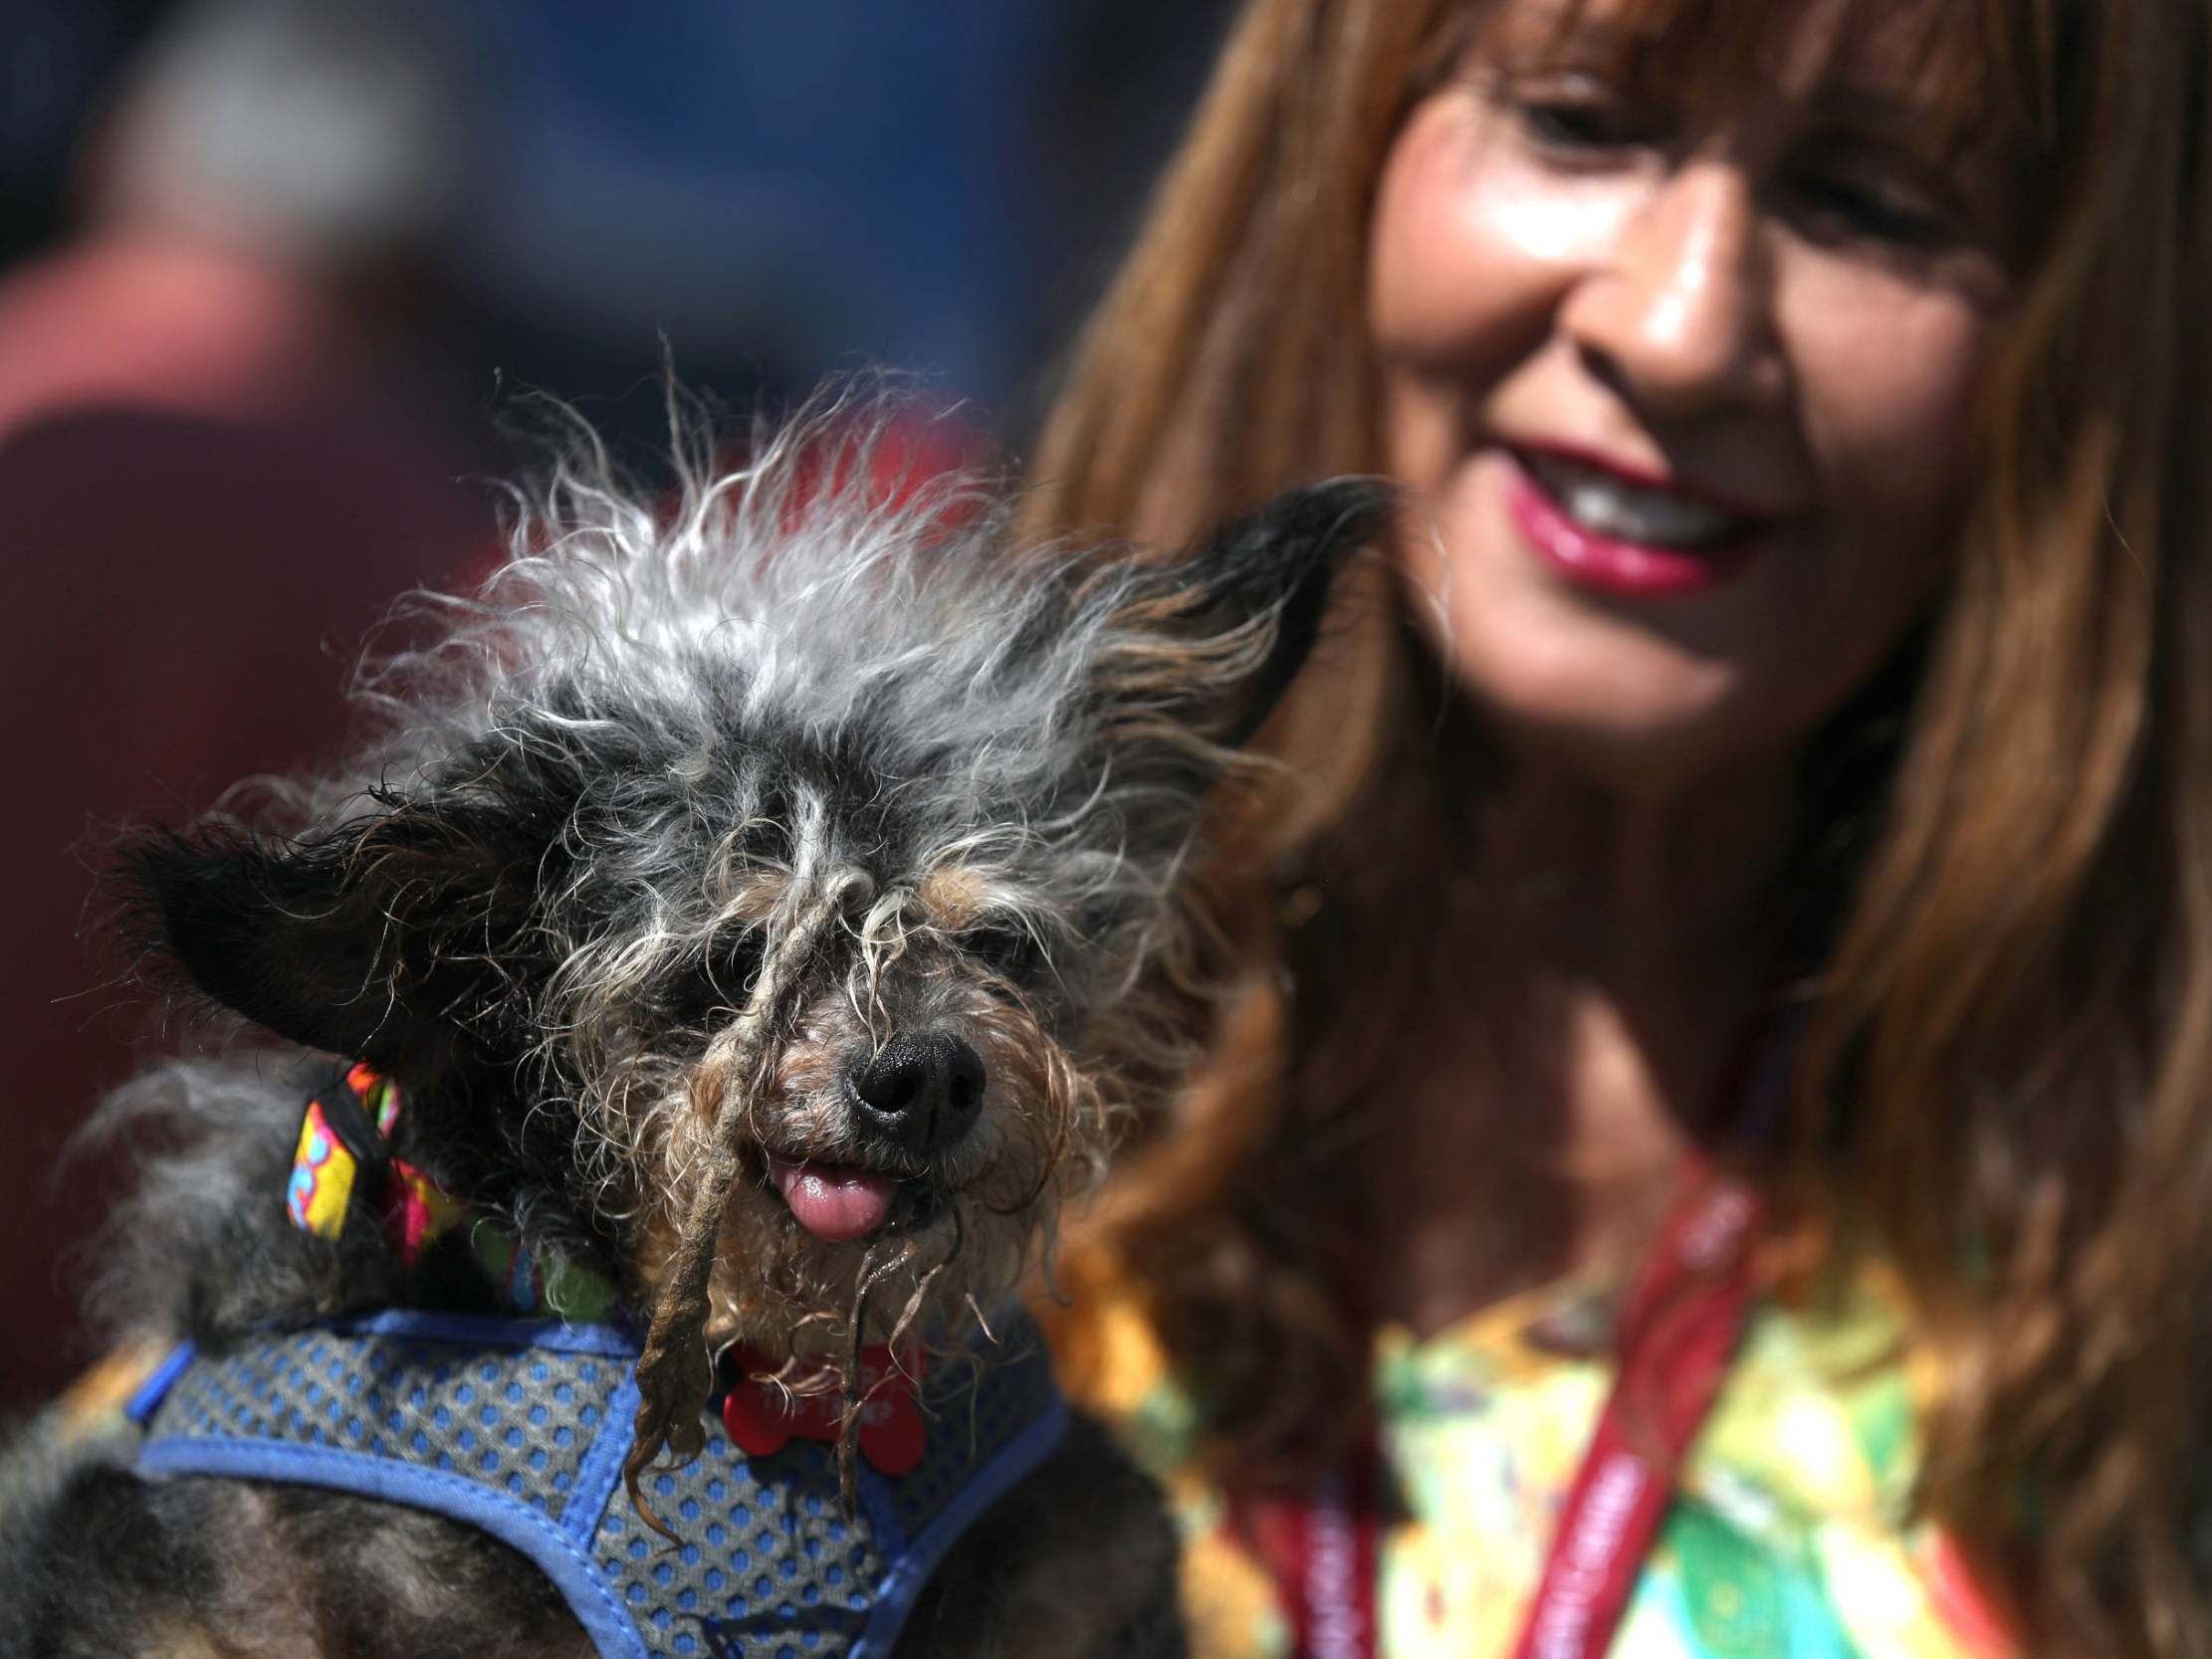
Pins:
x,y
833,1201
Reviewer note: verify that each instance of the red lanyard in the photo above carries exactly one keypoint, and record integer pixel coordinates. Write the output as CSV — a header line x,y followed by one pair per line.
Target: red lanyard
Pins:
x,y
1678,1335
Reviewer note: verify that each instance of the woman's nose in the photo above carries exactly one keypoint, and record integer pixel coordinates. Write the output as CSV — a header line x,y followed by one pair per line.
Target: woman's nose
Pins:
x,y
1677,313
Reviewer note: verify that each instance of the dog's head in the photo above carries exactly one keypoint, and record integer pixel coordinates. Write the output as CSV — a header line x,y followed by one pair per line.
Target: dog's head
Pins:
x,y
761,892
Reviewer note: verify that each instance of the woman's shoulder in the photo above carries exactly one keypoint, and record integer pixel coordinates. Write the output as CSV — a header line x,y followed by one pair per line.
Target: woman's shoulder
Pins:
x,y
1112,1364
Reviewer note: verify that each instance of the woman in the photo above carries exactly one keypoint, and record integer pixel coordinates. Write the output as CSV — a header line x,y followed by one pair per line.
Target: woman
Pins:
x,y
1765,768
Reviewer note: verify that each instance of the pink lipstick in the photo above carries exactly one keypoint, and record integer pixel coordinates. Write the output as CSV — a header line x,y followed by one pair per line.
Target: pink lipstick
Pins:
x,y
1579,513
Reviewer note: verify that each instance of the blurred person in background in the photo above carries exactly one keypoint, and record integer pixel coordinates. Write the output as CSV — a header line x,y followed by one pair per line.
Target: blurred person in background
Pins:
x,y
1707,1149
225,446
258,207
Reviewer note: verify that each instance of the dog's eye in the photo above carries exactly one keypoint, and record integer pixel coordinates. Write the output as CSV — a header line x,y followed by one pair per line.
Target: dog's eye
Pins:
x,y
732,968
1098,918
717,987
1005,947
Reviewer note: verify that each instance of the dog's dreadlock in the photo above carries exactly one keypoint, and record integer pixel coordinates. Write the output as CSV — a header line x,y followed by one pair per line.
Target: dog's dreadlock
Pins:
x,y
675,1375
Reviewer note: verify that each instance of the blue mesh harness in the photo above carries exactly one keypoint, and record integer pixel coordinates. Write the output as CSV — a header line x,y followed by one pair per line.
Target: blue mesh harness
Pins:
x,y
520,1427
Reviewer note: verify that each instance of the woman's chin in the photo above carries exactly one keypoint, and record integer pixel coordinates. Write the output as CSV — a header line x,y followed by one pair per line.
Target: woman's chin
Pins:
x,y
1642,754
1634,711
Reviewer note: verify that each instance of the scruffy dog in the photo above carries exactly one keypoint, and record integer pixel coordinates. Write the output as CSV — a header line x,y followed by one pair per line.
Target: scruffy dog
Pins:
x,y
665,1050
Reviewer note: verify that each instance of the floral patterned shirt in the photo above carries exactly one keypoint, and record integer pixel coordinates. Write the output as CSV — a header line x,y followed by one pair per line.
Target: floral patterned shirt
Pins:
x,y
1790,1536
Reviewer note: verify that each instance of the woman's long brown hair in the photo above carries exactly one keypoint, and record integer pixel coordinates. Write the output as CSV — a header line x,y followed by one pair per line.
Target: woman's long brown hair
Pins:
x,y
2007,1084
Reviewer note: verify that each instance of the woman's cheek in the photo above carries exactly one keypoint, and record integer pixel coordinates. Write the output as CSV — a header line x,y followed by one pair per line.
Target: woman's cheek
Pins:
x,y
1888,376
1471,248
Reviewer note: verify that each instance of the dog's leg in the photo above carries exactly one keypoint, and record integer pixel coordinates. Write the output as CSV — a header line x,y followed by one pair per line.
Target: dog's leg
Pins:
x,y
98,1563
1076,1563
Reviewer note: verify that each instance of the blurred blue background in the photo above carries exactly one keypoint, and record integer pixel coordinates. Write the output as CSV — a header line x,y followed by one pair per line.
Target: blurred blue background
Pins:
x,y
274,277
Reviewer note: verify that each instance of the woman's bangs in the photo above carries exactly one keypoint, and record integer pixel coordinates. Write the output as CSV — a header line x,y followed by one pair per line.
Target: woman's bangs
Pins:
x,y
1974,70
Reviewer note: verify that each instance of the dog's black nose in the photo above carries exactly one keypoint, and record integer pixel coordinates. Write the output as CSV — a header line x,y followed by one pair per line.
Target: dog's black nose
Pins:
x,y
921,1092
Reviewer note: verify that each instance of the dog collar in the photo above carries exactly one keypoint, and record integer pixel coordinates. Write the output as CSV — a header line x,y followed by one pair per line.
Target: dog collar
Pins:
x,y
345,1173
762,1416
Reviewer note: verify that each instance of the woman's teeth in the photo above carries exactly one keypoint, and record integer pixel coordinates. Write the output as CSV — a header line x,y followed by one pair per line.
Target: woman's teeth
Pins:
x,y
1603,503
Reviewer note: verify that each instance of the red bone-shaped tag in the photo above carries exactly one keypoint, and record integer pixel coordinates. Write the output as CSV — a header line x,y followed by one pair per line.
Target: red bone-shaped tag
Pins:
x,y
763,1418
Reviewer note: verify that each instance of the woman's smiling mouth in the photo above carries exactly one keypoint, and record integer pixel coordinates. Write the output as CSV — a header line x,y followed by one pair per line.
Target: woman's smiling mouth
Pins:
x,y
1604,530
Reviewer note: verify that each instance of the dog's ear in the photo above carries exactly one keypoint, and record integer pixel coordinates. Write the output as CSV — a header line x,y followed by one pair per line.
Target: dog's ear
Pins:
x,y
1247,605
364,939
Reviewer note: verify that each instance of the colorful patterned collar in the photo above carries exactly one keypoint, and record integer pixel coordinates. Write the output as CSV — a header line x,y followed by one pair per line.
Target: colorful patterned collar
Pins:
x,y
344,1169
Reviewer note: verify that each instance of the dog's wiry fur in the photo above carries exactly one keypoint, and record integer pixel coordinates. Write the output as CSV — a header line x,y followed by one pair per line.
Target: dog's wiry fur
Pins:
x,y
660,842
